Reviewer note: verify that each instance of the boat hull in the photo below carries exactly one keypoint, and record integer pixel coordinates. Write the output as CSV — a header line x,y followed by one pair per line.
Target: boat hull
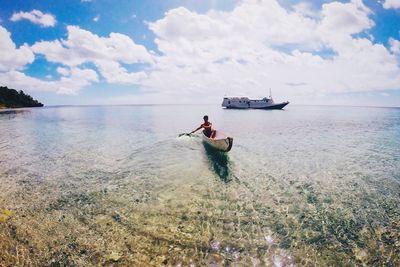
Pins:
x,y
218,143
274,106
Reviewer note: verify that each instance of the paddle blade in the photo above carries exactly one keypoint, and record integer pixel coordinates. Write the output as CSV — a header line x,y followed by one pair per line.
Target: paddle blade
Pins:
x,y
182,134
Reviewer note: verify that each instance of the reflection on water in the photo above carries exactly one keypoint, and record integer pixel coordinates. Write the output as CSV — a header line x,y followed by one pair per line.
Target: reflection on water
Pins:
x,y
219,162
89,186
11,113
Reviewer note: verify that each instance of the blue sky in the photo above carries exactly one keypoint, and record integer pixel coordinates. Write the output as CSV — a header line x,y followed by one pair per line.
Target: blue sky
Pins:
x,y
170,51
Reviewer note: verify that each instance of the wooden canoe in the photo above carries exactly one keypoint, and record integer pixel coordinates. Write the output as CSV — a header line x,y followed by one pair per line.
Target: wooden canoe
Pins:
x,y
219,142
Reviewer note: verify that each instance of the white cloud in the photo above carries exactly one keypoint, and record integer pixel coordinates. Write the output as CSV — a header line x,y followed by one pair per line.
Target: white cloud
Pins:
x,y
107,53
391,4
260,45
114,73
13,60
306,9
97,18
394,45
36,17
345,18
78,79
11,57
63,71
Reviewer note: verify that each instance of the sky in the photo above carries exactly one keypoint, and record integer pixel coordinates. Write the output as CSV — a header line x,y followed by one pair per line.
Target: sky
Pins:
x,y
90,52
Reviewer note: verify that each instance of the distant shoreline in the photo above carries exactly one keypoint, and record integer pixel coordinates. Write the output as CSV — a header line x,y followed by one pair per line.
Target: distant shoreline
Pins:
x,y
11,98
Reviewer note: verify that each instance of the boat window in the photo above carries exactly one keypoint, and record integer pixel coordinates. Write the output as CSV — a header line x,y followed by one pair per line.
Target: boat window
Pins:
x,y
229,102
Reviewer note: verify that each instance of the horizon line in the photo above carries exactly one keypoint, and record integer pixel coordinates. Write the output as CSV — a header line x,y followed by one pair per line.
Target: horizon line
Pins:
x,y
208,104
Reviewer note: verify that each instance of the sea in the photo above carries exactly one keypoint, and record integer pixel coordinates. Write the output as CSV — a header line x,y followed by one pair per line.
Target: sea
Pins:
x,y
116,186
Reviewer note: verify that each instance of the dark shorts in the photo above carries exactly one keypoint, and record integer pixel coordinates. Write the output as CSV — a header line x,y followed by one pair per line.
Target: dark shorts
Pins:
x,y
207,132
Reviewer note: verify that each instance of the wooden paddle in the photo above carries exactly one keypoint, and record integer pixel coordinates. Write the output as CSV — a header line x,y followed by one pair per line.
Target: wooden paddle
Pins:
x,y
182,134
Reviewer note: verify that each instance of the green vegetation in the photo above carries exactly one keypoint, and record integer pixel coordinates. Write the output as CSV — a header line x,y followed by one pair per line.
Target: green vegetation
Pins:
x,y
11,98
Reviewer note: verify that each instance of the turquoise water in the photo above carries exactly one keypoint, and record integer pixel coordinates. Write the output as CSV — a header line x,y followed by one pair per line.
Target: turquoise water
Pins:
x,y
305,186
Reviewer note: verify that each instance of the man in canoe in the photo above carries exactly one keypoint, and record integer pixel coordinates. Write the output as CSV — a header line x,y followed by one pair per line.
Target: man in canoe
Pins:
x,y
207,126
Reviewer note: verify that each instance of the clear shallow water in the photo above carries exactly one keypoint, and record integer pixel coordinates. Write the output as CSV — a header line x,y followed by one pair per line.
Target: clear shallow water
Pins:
x,y
114,185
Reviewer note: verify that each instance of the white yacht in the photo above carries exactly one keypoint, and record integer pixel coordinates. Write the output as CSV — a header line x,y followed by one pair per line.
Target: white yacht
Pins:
x,y
245,103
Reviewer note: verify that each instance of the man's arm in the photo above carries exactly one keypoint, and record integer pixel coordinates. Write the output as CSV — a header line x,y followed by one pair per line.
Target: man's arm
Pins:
x,y
201,126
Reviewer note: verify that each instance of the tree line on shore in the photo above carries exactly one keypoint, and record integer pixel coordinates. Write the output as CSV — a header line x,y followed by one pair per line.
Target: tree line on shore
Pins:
x,y
11,98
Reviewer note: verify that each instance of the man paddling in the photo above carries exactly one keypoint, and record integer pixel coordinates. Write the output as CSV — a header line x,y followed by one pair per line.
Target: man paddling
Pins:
x,y
207,126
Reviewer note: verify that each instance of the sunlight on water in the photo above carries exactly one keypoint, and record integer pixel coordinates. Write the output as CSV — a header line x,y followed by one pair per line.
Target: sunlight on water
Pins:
x,y
115,185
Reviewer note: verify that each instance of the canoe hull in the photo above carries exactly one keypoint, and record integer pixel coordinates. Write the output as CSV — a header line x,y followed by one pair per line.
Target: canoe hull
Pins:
x,y
220,144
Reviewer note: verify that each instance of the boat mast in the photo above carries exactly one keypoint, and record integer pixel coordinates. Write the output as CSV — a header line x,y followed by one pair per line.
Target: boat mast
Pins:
x,y
270,95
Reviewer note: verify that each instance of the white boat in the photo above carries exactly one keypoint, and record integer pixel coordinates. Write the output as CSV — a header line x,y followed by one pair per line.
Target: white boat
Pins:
x,y
246,103
219,142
